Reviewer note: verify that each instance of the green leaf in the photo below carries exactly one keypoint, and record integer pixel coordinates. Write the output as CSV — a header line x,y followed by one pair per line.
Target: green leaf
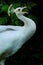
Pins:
x,y
3,20
4,8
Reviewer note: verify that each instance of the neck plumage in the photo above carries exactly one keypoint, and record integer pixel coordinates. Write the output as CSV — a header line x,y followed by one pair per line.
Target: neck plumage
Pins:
x,y
27,22
29,27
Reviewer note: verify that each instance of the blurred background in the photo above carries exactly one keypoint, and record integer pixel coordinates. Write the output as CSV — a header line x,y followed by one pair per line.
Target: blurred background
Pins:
x,y
31,52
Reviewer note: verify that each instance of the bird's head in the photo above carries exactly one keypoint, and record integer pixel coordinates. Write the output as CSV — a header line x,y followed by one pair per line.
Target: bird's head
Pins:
x,y
18,10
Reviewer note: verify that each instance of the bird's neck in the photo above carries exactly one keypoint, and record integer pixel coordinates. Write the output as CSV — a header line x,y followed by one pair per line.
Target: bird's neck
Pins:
x,y
23,18
29,27
27,21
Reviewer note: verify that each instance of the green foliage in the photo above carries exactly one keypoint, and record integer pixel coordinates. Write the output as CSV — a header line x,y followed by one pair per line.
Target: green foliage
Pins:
x,y
16,5
30,5
14,19
4,8
3,20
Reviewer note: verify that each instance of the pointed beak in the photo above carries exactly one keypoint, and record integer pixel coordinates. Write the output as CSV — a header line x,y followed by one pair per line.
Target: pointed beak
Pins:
x,y
23,9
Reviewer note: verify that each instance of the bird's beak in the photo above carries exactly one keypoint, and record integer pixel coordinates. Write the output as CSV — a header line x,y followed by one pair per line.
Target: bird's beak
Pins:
x,y
23,9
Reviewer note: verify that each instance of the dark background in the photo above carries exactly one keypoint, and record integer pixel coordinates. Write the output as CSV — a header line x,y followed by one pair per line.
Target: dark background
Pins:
x,y
31,52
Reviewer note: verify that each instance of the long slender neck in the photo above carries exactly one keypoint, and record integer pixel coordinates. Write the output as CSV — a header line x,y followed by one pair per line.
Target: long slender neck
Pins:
x,y
29,27
23,18
27,22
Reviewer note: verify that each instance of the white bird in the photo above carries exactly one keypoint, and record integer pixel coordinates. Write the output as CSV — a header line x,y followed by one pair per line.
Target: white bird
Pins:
x,y
13,37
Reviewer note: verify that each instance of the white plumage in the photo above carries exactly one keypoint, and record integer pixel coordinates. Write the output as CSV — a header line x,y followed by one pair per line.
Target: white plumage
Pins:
x,y
13,37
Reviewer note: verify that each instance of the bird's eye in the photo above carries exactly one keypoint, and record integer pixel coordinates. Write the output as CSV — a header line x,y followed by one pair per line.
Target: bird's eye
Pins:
x,y
18,9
